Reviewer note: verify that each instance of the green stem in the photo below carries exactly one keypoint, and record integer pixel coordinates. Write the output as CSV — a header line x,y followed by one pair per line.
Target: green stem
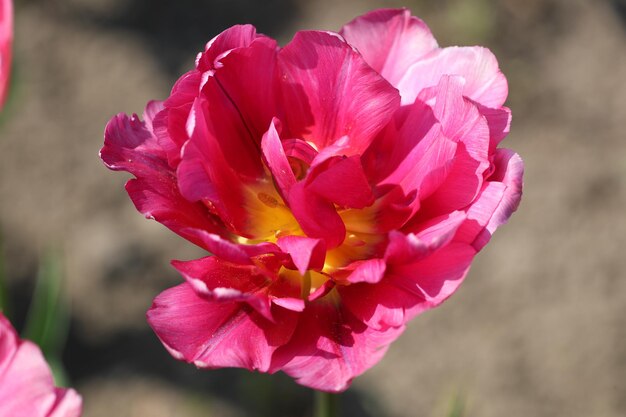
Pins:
x,y
326,405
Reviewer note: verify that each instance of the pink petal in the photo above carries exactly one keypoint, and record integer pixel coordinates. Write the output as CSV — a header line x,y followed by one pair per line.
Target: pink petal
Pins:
x,y
248,77
484,82
204,173
238,36
436,277
411,288
6,40
26,384
170,125
229,251
276,160
68,404
409,126
343,182
390,40
330,348
432,235
462,122
497,201
218,334
370,271
305,252
317,217
129,146
380,306
499,122
217,280
330,92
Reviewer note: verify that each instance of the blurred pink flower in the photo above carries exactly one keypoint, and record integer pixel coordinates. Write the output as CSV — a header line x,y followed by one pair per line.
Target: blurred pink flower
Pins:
x,y
26,385
343,184
6,38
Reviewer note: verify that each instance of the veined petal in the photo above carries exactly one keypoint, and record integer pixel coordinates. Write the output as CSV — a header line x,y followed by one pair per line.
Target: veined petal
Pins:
x,y
341,180
276,160
6,40
218,334
204,173
369,270
317,216
390,40
462,122
331,92
484,82
238,36
305,252
437,276
217,280
130,146
229,251
497,201
330,348
430,236
26,384
409,289
248,77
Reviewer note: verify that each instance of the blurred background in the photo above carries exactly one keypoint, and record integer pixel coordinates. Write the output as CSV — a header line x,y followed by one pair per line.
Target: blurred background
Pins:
x,y
537,329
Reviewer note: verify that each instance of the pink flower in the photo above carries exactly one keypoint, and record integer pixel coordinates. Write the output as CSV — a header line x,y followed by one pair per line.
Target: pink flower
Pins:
x,y
6,38
26,385
343,184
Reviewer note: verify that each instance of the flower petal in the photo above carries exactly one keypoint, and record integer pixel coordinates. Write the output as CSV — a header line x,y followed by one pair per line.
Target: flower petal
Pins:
x,y
342,181
217,334
26,384
248,77
331,92
390,40
204,173
462,122
130,146
497,201
217,280
305,252
330,348
484,82
238,36
410,288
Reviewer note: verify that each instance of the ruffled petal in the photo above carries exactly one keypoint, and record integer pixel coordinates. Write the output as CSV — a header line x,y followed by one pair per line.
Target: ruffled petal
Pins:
x,y
204,173
410,288
130,146
217,280
218,334
68,404
342,181
329,92
6,40
484,82
26,384
248,78
330,348
306,253
237,36
462,122
390,40
497,201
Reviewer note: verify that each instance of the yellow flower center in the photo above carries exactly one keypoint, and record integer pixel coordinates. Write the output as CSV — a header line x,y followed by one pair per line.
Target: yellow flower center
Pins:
x,y
270,218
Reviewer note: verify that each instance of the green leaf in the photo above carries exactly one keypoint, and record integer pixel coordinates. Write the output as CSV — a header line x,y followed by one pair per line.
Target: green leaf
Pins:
x,y
457,406
48,316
